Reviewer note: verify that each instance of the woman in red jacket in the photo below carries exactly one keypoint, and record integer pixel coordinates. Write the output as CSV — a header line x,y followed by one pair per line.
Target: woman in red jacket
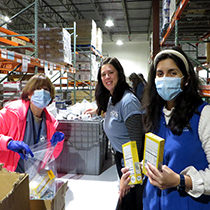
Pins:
x,y
26,122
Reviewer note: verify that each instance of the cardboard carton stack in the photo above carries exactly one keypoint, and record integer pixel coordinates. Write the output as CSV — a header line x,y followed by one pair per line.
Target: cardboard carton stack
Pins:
x,y
89,40
84,64
54,44
86,31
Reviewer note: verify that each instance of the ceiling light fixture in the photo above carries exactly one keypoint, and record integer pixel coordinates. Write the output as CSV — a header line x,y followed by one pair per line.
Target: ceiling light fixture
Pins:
x,y
109,23
119,42
7,19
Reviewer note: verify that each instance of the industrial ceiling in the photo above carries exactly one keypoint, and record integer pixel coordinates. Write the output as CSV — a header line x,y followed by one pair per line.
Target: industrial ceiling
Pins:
x,y
133,19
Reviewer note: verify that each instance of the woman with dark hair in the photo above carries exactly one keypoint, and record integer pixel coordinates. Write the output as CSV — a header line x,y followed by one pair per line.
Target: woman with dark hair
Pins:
x,y
138,85
123,119
26,122
142,78
175,111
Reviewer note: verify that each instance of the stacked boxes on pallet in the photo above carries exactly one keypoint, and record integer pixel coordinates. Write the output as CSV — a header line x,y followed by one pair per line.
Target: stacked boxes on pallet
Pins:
x,y
86,32
84,147
84,64
54,44
89,36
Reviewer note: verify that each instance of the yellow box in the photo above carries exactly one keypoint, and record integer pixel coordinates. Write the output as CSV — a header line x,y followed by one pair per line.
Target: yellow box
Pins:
x,y
131,160
153,151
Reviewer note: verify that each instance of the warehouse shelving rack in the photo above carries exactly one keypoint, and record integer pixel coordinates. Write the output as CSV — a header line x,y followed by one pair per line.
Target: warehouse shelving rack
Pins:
x,y
174,21
77,84
22,64
12,59
80,85
199,65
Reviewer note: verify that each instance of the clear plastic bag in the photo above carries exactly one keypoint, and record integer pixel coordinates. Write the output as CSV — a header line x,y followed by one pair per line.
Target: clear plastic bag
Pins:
x,y
42,171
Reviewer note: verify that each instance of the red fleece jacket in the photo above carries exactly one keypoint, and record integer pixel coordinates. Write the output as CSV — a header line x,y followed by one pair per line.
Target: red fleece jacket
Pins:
x,y
12,126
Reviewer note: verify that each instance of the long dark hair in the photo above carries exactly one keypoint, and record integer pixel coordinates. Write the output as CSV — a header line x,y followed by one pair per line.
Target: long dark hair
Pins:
x,y
185,104
142,78
136,80
102,94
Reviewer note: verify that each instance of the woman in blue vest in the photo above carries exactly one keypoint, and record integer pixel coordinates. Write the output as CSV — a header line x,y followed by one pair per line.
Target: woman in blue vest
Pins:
x,y
175,111
138,85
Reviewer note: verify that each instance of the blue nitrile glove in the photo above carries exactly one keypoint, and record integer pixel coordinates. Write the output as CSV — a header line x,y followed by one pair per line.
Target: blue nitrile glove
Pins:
x,y
57,137
21,148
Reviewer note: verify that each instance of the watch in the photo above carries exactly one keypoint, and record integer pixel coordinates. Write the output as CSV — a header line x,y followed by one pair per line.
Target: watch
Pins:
x,y
181,186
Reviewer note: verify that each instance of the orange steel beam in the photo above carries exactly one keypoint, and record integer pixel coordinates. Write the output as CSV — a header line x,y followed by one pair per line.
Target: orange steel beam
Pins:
x,y
12,43
32,62
177,15
8,42
8,32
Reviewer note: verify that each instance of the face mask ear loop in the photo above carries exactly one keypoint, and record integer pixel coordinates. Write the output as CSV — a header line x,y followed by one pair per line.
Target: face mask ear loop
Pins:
x,y
186,82
188,78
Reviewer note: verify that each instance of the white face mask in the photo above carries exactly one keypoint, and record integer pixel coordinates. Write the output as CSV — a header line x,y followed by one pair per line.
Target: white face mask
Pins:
x,y
168,87
41,98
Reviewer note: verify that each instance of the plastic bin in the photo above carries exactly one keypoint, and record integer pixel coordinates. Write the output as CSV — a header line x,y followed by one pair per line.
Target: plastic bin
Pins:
x,y
84,147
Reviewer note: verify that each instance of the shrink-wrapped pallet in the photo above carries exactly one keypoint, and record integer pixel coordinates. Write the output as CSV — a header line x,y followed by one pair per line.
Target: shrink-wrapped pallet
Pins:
x,y
54,44
86,31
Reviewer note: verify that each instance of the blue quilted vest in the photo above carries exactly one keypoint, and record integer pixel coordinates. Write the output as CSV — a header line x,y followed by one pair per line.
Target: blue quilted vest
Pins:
x,y
179,152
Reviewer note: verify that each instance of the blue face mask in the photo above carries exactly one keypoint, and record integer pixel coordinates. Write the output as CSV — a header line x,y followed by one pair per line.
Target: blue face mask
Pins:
x,y
41,98
168,87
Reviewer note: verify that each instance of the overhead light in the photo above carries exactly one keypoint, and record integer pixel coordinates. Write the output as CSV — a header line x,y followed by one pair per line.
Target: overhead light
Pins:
x,y
109,23
7,19
119,42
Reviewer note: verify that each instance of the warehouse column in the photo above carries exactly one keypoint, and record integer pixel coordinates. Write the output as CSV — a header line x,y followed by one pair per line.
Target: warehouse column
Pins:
x,y
155,9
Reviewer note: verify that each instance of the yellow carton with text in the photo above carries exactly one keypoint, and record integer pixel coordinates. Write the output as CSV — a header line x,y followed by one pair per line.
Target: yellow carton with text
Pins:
x,y
131,160
153,151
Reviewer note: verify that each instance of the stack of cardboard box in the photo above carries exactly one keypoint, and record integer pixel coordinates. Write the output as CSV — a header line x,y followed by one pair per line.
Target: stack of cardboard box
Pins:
x,y
54,44
86,31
